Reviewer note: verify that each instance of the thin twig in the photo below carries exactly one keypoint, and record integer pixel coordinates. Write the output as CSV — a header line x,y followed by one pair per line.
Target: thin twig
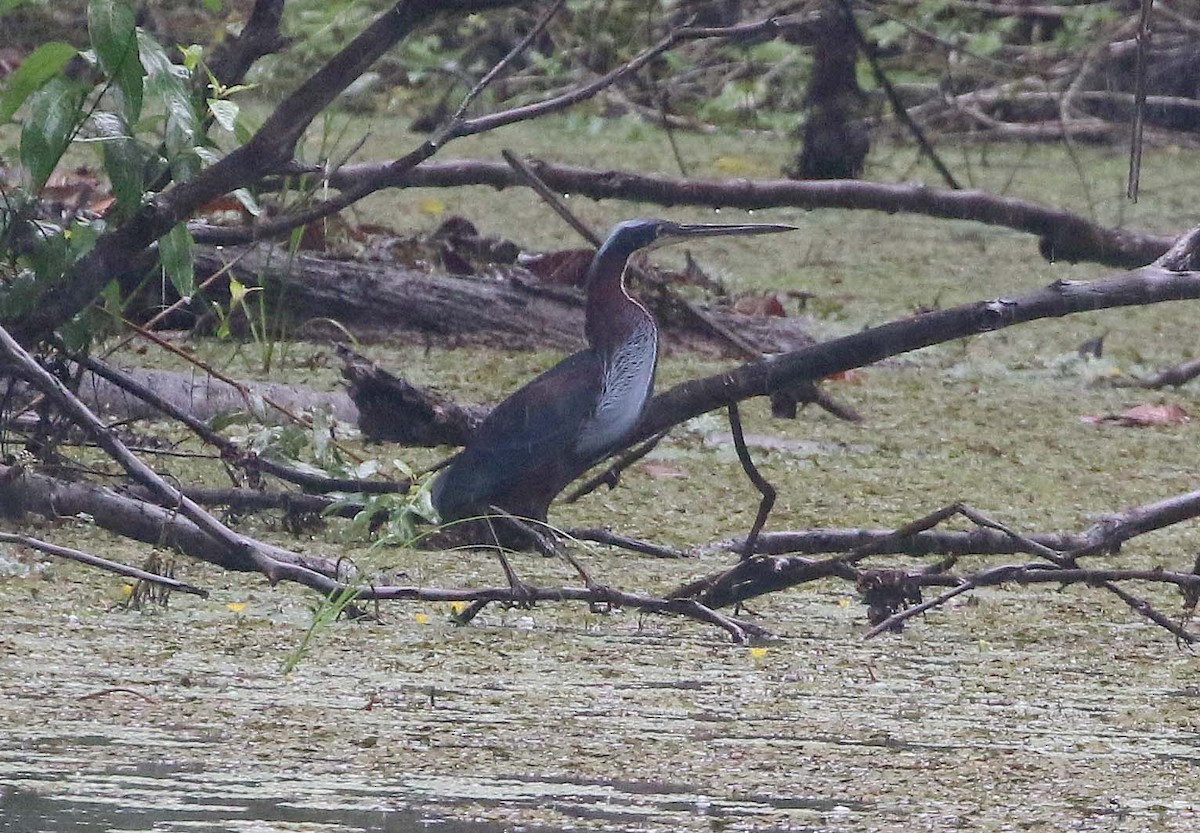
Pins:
x,y
1146,609
104,692
1139,104
739,32
254,500
1042,574
669,129
102,563
550,198
893,97
501,65
612,539
977,517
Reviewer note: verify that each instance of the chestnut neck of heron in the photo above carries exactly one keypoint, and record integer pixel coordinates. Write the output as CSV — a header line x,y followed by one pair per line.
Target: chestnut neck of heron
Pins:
x,y
613,316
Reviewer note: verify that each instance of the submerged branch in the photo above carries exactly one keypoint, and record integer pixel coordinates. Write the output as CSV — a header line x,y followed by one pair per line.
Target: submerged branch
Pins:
x,y
894,595
103,563
23,491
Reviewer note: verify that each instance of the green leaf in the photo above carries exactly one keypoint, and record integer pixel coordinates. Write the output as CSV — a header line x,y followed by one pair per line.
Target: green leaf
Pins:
x,y
225,112
7,6
167,85
53,111
114,38
192,56
221,421
111,296
81,238
242,132
124,159
45,63
178,264
213,5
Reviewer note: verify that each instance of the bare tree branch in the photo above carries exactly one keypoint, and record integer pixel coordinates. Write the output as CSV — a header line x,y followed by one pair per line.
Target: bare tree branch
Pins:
x,y
1149,285
102,563
126,515
260,36
765,490
1139,105
1105,535
1063,234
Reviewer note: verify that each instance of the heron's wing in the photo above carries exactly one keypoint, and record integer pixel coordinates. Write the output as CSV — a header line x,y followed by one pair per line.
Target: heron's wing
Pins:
x,y
524,452
546,414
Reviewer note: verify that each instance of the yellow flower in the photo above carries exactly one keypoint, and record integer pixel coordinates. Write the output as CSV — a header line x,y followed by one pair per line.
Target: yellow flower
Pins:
x,y
737,165
126,590
843,603
432,206
457,607
422,619
236,607
758,653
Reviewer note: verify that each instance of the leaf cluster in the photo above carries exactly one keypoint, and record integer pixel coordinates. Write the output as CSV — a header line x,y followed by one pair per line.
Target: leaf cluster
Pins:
x,y
127,105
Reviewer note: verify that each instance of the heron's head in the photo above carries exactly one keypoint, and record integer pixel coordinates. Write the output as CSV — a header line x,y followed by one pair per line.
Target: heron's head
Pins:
x,y
633,235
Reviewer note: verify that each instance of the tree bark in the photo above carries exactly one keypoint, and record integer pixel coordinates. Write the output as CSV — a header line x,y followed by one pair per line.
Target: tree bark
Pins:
x,y
383,302
1170,278
1063,235
25,492
204,397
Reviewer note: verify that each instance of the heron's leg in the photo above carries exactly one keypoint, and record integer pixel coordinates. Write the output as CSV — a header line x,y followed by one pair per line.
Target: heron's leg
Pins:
x,y
547,544
524,595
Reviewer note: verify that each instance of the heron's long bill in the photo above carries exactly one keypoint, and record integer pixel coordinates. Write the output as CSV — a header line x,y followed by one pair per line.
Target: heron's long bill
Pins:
x,y
676,232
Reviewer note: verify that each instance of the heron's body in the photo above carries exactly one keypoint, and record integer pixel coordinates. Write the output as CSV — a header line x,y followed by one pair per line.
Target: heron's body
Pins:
x,y
547,433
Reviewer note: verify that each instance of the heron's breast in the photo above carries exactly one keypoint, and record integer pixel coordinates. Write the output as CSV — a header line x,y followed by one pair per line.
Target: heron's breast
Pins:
x,y
628,384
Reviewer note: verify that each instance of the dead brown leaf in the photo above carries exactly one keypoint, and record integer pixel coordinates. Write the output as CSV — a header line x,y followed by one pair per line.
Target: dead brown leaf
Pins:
x,y
567,267
1143,416
760,306
660,470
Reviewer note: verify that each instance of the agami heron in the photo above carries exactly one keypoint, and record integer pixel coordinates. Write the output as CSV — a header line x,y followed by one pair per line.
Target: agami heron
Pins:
x,y
547,433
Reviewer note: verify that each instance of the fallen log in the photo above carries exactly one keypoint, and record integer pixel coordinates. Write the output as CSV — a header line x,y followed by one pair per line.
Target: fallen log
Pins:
x,y
508,309
392,409
25,492
204,397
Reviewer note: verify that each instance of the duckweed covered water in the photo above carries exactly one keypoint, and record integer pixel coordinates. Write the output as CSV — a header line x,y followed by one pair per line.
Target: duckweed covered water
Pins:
x,y
1041,711
1031,709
